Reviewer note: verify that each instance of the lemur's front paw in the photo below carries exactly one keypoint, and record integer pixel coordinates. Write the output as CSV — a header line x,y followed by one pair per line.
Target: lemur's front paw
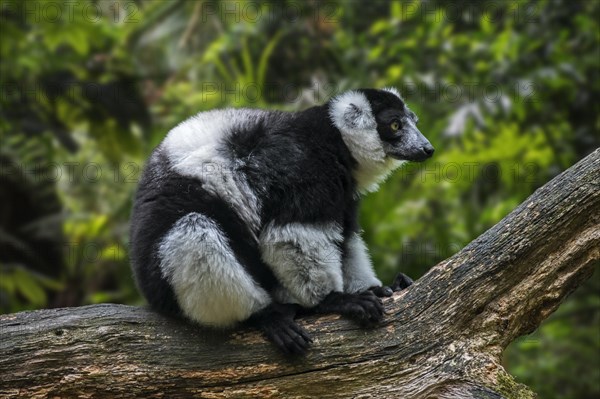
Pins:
x,y
381,292
401,282
365,308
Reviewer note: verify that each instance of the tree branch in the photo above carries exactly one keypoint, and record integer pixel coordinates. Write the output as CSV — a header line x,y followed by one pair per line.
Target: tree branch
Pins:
x,y
443,337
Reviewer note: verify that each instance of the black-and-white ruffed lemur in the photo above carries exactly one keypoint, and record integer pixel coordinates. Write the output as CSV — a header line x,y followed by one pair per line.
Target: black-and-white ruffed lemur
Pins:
x,y
247,215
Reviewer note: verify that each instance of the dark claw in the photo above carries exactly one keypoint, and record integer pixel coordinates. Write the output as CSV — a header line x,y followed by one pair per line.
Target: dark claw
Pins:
x,y
294,342
373,306
302,332
401,282
288,336
365,308
278,325
382,292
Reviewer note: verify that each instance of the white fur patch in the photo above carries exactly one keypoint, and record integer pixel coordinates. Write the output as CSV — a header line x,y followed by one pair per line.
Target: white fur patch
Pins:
x,y
356,266
211,287
351,111
370,176
305,259
193,147
351,114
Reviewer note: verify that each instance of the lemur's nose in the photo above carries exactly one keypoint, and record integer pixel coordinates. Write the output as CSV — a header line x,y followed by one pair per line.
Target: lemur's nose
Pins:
x,y
428,149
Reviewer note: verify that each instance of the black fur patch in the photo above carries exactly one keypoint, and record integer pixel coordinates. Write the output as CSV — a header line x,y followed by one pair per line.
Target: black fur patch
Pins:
x,y
299,167
381,100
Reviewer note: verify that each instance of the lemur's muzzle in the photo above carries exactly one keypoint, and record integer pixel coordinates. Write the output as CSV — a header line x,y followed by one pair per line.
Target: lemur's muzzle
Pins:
x,y
426,152
420,148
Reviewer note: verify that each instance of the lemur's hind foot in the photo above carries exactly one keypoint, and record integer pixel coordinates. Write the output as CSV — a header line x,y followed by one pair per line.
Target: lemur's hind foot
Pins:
x,y
277,323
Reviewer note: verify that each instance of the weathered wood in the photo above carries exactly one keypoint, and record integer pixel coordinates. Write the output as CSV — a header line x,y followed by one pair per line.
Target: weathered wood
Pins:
x,y
443,337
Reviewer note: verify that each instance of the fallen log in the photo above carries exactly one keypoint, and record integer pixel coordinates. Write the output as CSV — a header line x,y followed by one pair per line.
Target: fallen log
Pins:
x,y
442,338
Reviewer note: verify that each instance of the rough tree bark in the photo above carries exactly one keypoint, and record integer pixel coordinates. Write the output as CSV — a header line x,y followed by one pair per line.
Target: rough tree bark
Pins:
x,y
443,337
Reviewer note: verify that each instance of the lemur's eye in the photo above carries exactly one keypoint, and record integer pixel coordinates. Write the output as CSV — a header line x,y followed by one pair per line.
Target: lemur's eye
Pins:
x,y
395,125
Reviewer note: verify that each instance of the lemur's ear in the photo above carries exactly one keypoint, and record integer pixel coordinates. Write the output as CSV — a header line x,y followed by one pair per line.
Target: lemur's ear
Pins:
x,y
354,116
352,111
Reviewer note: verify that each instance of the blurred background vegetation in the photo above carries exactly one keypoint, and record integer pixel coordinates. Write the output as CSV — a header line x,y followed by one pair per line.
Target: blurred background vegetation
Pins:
x,y
507,91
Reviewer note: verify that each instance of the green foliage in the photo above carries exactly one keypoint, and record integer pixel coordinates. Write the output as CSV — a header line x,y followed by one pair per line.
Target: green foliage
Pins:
x,y
508,93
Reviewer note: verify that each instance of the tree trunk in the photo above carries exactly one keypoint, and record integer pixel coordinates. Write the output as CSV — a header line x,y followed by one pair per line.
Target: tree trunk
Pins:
x,y
442,338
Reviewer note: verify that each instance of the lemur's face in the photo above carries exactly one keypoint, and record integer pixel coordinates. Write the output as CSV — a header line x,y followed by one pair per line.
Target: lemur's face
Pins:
x,y
377,124
397,127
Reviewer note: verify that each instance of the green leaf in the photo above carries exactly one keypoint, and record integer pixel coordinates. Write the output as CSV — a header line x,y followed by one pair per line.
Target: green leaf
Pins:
x,y
30,287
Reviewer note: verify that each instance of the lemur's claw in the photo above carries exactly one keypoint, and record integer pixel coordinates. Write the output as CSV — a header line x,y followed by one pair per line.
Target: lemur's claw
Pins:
x,y
365,308
381,292
288,336
401,282
276,321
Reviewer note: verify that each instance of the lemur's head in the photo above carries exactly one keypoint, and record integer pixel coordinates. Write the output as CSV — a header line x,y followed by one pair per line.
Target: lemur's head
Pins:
x,y
381,120
380,132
